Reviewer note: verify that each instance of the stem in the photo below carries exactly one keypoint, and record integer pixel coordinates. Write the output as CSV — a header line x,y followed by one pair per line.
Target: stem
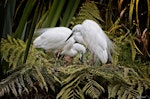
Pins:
x,y
31,33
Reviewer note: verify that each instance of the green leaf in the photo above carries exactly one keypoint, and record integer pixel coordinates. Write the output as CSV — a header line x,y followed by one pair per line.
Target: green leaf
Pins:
x,y
133,50
27,10
54,13
69,12
131,11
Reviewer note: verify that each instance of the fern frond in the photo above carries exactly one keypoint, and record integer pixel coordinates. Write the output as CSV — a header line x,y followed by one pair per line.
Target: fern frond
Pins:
x,y
66,90
12,51
93,89
80,93
13,89
73,72
122,92
50,78
112,90
41,79
21,81
71,91
89,10
75,81
24,78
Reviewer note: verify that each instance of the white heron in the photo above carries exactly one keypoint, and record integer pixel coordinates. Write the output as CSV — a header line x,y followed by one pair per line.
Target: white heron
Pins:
x,y
78,37
95,39
72,51
53,39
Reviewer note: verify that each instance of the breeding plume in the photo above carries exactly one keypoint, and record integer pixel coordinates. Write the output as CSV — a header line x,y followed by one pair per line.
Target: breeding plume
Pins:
x,y
95,39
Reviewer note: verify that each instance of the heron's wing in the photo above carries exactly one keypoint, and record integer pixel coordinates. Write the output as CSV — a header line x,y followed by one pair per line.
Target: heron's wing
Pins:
x,y
101,52
52,38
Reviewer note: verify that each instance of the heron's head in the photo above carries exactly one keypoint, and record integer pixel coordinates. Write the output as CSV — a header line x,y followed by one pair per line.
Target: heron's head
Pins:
x,y
75,29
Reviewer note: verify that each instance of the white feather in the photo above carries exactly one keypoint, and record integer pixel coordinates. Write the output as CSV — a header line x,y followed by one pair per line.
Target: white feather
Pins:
x,y
95,39
53,39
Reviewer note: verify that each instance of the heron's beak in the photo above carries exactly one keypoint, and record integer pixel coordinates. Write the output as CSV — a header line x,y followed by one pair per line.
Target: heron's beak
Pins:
x,y
69,36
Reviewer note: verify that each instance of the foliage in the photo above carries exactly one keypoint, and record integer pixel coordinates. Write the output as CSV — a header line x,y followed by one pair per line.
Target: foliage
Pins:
x,y
137,28
88,10
123,23
25,77
26,73
75,81
121,29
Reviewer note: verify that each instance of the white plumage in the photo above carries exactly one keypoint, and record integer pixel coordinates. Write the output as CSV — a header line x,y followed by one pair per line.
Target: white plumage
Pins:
x,y
74,50
78,37
53,39
95,39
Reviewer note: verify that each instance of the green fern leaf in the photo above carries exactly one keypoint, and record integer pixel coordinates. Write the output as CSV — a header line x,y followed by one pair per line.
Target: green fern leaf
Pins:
x,y
93,89
112,90
23,77
13,59
43,83
67,87
67,94
73,92
6,49
11,49
88,10
131,97
93,10
9,38
18,56
125,95
80,93
120,92
50,78
21,43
